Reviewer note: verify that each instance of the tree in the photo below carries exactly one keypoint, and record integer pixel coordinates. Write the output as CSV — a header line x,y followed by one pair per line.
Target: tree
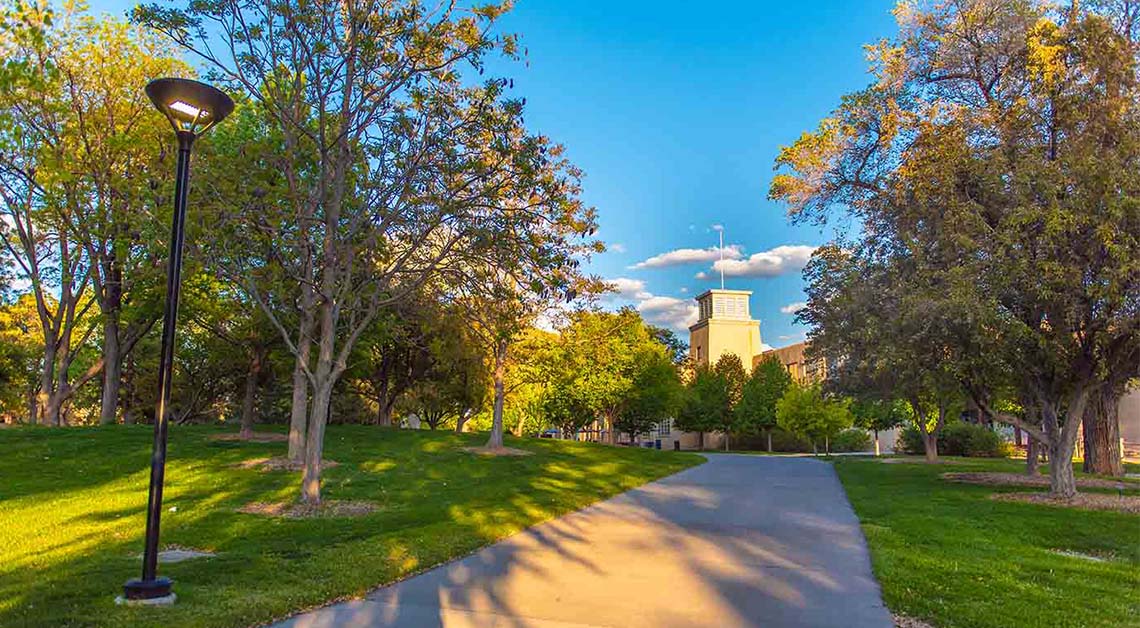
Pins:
x,y
706,404
600,353
654,396
731,370
879,415
416,172
804,410
994,159
765,387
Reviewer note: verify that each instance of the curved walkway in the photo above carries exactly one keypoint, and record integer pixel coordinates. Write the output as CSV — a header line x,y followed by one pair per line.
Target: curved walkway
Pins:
x,y
738,541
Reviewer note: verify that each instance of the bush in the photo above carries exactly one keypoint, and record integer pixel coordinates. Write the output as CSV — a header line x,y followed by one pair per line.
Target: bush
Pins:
x,y
853,439
782,442
958,439
910,442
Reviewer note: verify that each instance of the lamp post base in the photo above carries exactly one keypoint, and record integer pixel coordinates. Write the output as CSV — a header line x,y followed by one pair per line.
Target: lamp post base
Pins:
x,y
157,591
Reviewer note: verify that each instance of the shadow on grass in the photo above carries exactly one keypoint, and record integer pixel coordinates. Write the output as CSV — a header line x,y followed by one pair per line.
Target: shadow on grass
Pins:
x,y
69,541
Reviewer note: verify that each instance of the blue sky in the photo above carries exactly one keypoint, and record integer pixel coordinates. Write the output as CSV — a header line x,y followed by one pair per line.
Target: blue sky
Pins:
x,y
675,111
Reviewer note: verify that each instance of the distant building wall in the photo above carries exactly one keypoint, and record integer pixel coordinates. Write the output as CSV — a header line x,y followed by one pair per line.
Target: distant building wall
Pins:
x,y
1129,414
802,370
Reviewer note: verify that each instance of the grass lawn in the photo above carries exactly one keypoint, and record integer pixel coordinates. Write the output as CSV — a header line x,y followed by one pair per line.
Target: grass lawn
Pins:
x,y
945,553
72,505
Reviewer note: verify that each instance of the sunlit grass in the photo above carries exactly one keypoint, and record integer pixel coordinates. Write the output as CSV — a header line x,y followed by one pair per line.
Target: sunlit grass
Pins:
x,y
72,513
946,553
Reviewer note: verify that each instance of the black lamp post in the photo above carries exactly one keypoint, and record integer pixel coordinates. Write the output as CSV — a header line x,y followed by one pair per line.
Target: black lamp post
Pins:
x,y
192,108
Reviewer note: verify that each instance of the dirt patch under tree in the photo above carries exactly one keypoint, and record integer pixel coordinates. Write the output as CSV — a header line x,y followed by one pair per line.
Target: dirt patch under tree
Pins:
x,y
1129,504
1020,479
298,510
256,437
280,464
498,451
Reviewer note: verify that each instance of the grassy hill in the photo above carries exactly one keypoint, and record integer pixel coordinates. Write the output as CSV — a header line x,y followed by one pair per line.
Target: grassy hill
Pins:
x,y
72,505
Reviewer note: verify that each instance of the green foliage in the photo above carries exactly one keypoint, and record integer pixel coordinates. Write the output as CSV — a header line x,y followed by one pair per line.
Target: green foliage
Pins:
x,y
854,439
1000,212
654,397
707,402
764,388
958,438
909,441
805,411
968,439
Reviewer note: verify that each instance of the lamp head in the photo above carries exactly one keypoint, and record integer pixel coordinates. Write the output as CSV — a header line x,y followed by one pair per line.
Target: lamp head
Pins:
x,y
191,107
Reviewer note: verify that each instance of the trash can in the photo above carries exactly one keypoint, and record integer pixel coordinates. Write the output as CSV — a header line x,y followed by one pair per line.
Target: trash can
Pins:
x,y
657,444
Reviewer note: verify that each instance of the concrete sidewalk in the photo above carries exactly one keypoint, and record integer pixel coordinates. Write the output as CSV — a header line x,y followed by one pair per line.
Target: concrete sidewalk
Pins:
x,y
739,541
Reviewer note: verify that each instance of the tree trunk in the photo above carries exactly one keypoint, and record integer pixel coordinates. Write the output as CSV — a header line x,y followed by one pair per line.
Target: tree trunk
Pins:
x,y
878,452
930,446
1062,481
1032,453
496,439
769,440
814,449
249,399
315,440
1016,436
826,445
112,369
299,412
1101,426
700,441
460,421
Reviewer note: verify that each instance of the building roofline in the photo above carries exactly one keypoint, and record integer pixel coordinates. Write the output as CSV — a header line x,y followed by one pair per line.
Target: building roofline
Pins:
x,y
721,291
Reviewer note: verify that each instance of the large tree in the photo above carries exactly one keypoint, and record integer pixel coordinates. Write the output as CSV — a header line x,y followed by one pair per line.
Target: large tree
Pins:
x,y
994,161
395,166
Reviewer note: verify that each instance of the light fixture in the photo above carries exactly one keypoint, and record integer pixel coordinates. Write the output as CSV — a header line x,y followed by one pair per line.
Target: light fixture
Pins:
x,y
189,105
192,108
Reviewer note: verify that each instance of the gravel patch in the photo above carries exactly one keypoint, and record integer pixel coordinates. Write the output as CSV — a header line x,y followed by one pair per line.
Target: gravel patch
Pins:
x,y
256,437
498,451
280,464
1129,504
916,460
902,621
298,510
1020,479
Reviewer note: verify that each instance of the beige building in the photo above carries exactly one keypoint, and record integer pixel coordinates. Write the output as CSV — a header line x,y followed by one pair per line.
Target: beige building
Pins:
x,y
724,325
803,371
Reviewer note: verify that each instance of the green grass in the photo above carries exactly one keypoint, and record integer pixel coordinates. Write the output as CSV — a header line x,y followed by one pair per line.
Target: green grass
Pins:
x,y
72,507
945,553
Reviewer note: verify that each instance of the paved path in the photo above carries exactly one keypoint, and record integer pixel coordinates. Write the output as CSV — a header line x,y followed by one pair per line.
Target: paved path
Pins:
x,y
737,541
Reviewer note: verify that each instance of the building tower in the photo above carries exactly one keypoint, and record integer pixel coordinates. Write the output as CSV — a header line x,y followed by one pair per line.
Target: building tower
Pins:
x,y
724,325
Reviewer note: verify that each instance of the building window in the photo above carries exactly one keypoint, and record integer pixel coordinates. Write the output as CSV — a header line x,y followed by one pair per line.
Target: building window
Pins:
x,y
665,427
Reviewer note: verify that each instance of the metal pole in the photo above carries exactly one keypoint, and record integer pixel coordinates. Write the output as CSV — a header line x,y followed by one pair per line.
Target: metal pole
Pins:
x,y
151,586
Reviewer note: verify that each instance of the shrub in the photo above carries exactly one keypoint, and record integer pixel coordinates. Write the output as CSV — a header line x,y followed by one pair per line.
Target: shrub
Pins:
x,y
787,442
853,439
957,439
910,441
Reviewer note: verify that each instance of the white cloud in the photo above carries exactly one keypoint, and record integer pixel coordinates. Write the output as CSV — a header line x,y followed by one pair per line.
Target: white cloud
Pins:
x,y
765,347
792,308
617,247
702,275
684,291
778,261
676,314
679,257
628,289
